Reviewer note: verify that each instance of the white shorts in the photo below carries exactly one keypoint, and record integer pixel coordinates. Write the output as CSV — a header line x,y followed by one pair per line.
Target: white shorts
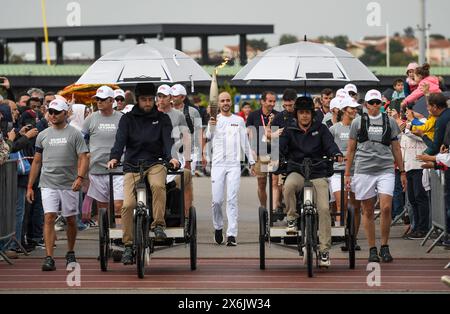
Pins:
x,y
367,186
66,201
99,187
335,184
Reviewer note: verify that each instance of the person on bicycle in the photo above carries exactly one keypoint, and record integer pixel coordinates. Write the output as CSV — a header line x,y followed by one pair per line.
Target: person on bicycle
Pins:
x,y
145,133
374,146
308,138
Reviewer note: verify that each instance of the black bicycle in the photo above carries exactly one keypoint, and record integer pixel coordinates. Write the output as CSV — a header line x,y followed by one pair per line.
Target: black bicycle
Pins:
x,y
144,240
306,238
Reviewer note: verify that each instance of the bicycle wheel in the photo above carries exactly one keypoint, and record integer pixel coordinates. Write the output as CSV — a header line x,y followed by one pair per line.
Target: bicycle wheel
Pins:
x,y
193,237
140,244
103,232
351,237
309,238
262,237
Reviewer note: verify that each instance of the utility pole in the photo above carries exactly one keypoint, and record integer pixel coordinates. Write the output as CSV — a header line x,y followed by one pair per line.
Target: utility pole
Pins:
x,y
388,48
423,30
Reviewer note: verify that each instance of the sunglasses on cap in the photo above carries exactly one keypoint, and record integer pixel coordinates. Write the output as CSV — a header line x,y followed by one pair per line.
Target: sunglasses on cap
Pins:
x,y
374,102
119,99
55,112
352,93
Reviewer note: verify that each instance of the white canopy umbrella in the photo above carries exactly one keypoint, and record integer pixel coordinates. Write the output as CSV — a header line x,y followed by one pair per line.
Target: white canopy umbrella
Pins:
x,y
144,63
305,61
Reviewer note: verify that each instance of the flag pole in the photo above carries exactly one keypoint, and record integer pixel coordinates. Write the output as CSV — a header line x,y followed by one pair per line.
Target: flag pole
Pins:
x,y
44,19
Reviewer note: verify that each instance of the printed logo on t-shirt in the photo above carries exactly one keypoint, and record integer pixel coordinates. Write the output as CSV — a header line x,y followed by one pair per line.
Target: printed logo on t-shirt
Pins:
x,y
58,141
375,130
315,133
344,136
107,127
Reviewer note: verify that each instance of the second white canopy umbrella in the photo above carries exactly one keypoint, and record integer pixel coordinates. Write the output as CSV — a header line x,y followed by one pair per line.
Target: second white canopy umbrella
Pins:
x,y
305,61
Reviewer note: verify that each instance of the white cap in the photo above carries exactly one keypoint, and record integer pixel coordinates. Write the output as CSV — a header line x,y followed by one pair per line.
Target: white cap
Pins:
x,y
58,105
349,102
350,88
177,90
165,90
335,103
127,108
373,94
104,92
119,93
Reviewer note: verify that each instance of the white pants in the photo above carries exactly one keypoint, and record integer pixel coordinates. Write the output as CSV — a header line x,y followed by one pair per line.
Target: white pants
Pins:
x,y
232,177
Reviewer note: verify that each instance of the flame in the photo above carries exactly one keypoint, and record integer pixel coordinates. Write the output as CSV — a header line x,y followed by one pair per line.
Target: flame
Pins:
x,y
220,66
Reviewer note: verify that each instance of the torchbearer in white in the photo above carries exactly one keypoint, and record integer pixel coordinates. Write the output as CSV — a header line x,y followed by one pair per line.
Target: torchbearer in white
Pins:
x,y
229,137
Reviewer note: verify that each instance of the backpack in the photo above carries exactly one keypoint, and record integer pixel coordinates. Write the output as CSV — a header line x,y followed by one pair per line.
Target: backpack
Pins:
x,y
363,136
188,118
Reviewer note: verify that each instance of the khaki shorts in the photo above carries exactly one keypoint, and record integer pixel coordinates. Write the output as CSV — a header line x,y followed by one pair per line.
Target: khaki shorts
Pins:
x,y
261,168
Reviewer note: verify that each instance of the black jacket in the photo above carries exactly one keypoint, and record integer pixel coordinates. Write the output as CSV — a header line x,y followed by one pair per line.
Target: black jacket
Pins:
x,y
145,136
316,143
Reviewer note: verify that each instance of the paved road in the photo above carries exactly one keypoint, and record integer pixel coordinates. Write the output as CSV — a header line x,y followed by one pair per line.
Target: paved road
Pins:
x,y
236,269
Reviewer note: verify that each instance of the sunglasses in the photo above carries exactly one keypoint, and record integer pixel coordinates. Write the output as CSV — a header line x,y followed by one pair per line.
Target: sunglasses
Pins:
x,y
374,102
52,111
100,99
352,93
120,99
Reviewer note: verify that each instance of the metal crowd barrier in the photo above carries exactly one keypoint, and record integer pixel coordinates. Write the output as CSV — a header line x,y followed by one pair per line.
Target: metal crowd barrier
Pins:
x,y
437,200
8,202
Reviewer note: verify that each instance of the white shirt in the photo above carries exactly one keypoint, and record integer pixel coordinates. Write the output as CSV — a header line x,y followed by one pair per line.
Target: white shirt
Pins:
x,y
229,138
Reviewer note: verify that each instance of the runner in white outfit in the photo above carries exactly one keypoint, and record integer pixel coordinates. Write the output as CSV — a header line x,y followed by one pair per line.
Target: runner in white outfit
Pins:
x,y
229,137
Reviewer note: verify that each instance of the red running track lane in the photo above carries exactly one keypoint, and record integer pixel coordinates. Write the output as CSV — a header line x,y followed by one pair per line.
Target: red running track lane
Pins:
x,y
407,275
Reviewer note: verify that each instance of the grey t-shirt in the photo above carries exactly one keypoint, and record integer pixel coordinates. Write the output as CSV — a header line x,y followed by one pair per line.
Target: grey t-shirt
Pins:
x,y
374,157
179,126
197,122
102,133
60,150
341,135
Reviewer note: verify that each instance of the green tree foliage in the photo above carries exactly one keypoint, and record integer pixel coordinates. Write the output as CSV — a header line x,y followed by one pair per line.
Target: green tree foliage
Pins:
x,y
260,44
409,32
373,57
288,39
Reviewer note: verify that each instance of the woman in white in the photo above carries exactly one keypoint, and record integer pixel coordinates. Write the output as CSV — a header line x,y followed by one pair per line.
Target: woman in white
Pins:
x,y
340,132
229,136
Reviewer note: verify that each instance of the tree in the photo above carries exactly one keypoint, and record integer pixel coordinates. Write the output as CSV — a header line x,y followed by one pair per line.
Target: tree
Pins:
x,y
341,41
395,46
288,39
409,32
258,44
373,57
437,36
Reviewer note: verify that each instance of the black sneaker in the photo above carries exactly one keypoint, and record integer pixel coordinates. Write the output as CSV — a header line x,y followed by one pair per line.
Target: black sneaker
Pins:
x,y
385,255
373,255
231,241
159,233
70,257
416,235
218,236
127,256
49,264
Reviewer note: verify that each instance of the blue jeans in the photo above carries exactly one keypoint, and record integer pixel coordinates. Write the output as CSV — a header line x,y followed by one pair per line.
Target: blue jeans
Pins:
x,y
418,199
20,210
35,218
398,201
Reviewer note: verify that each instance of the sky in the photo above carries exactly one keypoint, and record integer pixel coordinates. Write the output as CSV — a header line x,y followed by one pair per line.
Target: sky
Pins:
x,y
297,17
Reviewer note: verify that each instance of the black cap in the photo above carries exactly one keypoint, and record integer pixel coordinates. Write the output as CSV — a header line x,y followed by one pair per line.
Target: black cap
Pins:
x,y
304,103
289,94
145,89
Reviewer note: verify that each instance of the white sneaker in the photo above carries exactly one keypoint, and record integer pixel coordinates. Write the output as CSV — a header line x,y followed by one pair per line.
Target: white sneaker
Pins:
x,y
292,227
324,259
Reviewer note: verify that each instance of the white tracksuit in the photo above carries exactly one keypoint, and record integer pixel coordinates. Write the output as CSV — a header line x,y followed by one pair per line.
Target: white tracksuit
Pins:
x,y
229,138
